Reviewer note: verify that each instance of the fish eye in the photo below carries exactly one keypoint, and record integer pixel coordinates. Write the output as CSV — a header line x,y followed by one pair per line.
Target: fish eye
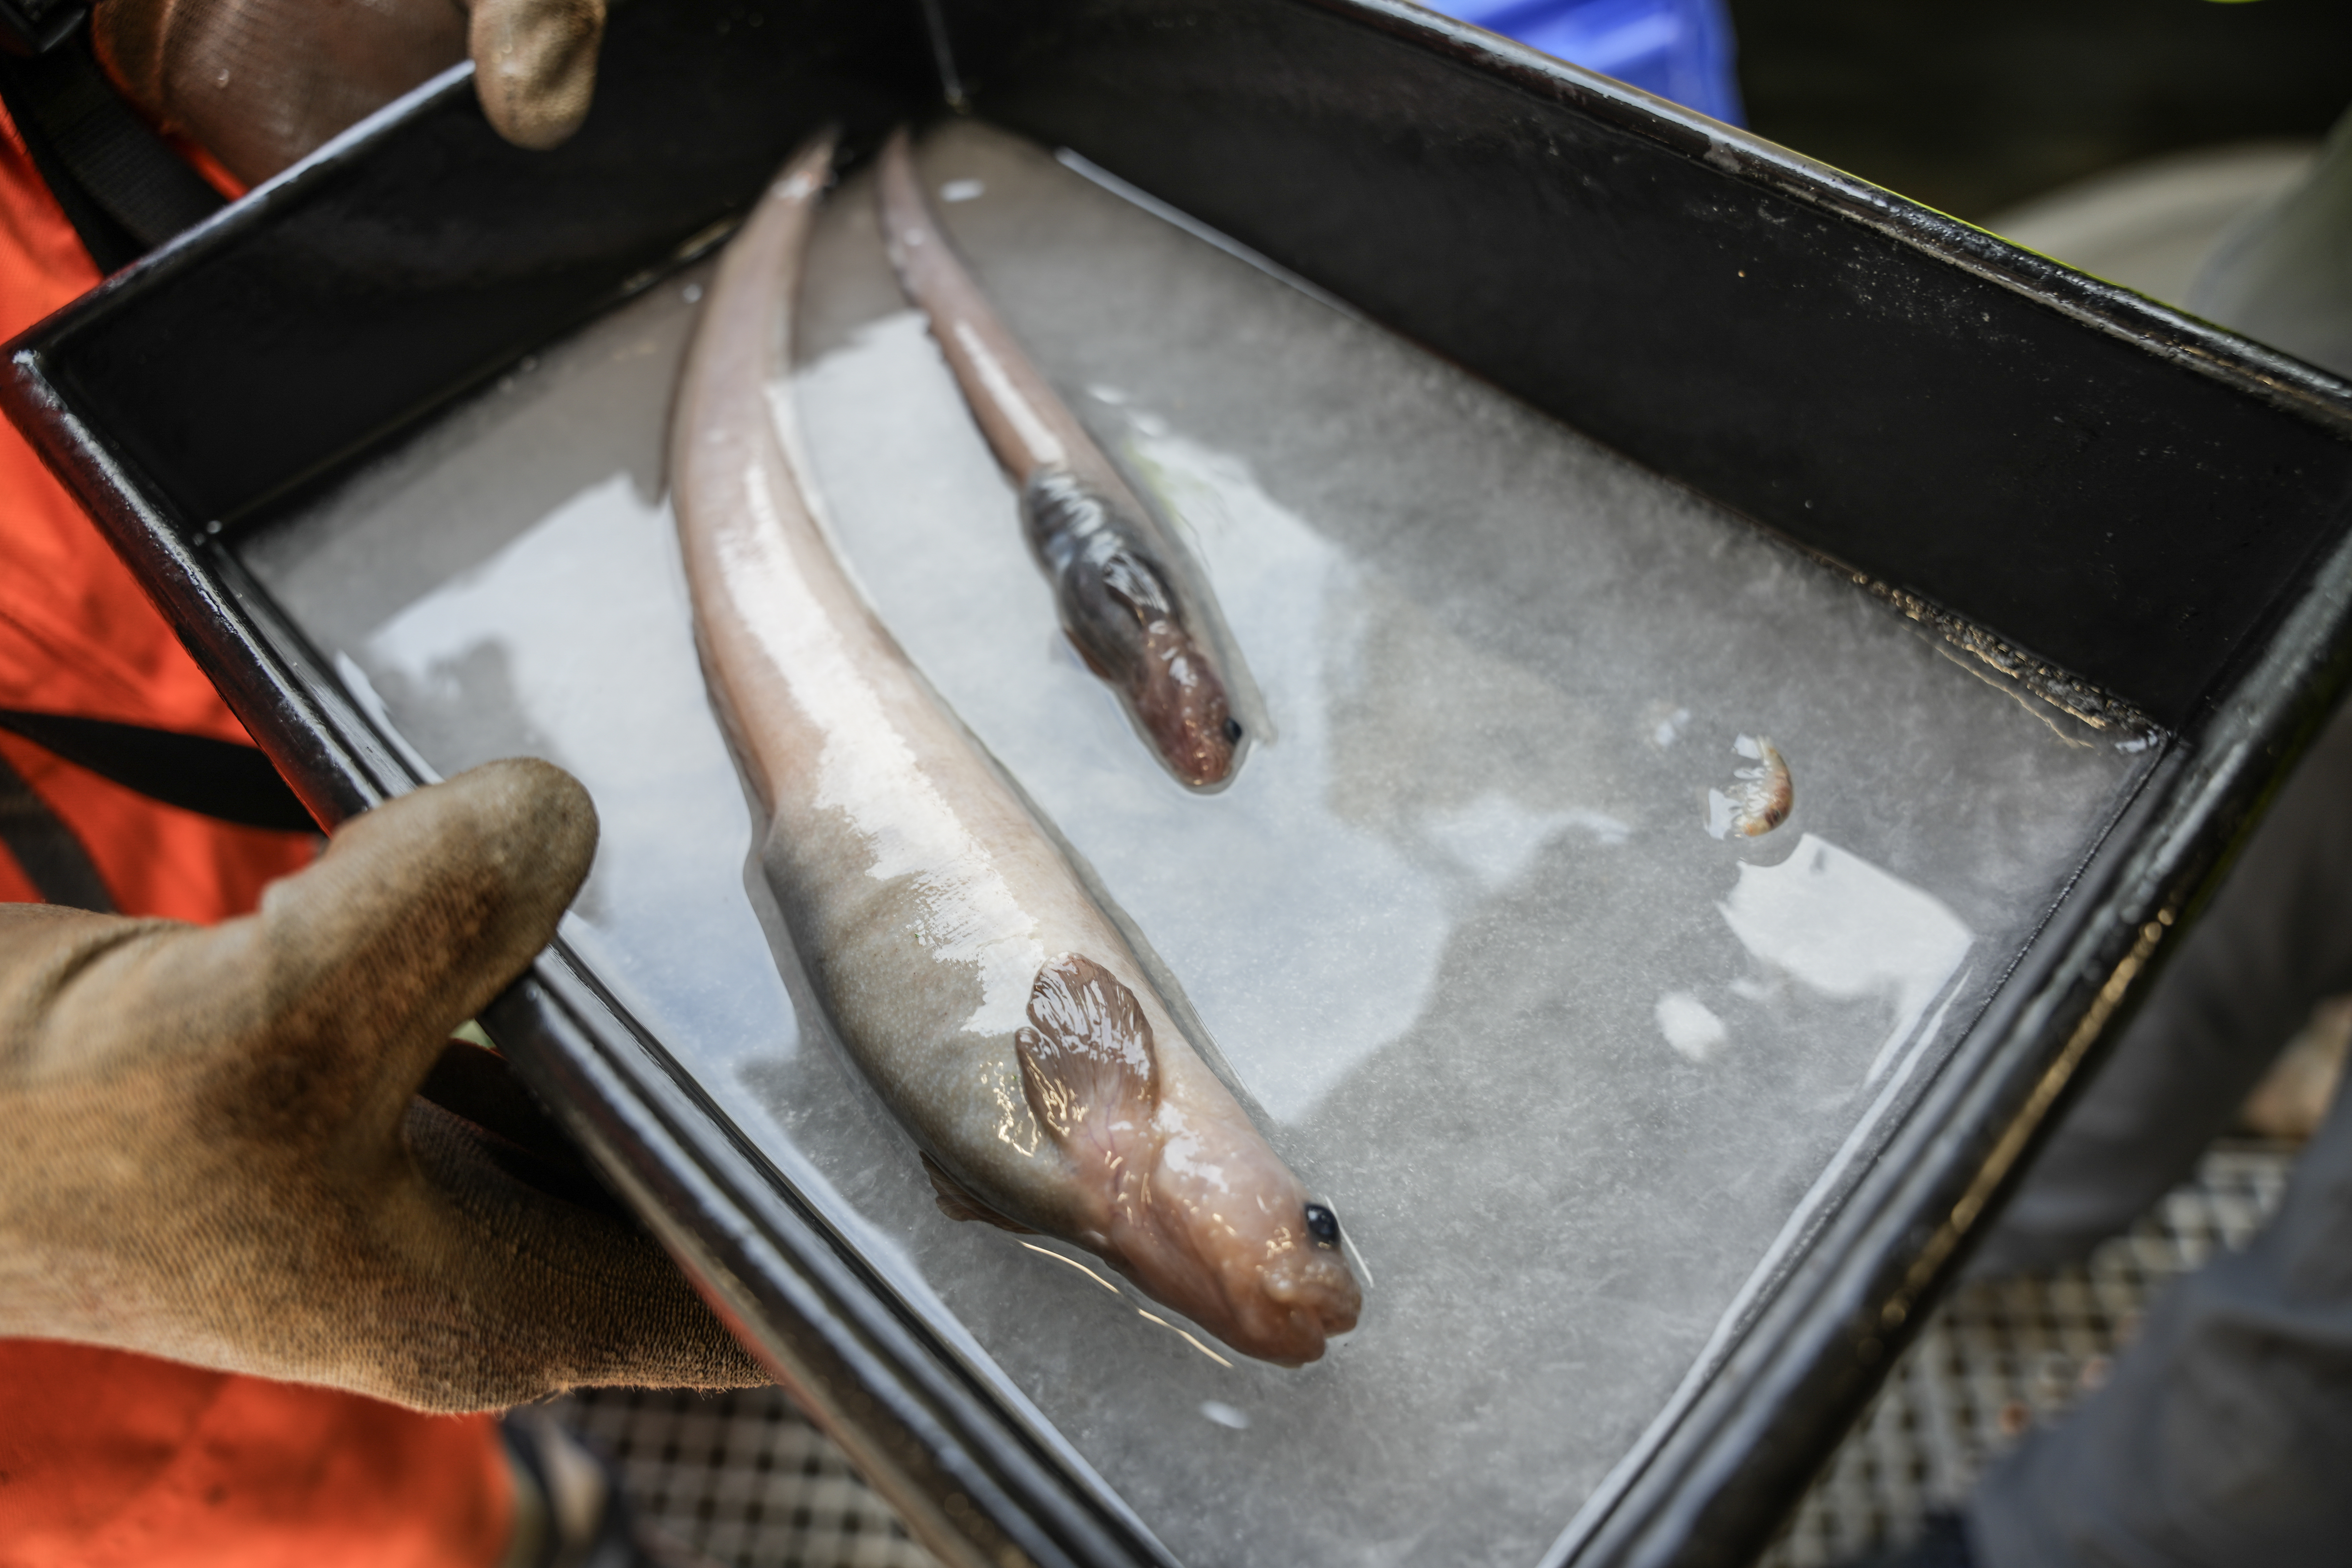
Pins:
x,y
1323,1225
1234,733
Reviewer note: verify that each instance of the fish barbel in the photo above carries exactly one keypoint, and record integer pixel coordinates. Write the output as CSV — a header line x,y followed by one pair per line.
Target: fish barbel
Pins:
x,y
1108,563
974,981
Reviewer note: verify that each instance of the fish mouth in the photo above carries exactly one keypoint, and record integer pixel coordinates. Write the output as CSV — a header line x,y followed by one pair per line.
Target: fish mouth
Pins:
x,y
1334,1303
1282,1309
1300,1338
1310,1307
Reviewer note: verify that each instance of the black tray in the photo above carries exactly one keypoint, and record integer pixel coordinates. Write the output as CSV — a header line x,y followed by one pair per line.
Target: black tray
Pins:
x,y
2154,508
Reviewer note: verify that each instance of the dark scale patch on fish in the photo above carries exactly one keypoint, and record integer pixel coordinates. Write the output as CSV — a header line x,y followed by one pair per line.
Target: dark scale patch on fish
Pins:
x,y
1124,616
1107,587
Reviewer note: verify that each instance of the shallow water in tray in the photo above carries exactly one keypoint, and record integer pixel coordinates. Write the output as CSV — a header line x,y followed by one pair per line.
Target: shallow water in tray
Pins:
x,y
1569,1066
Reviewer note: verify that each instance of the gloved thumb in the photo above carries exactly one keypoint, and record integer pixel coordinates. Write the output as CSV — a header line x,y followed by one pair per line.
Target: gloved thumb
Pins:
x,y
210,1148
535,66
418,913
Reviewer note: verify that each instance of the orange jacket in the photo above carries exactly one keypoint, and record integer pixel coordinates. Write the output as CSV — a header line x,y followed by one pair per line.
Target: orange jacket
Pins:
x,y
108,1458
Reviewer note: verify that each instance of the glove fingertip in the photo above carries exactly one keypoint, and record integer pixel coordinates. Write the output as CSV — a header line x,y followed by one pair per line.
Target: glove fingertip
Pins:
x,y
534,128
552,812
439,893
535,67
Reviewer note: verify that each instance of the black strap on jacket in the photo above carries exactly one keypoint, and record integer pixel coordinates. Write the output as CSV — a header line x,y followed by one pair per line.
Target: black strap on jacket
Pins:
x,y
125,191
45,850
219,779
122,187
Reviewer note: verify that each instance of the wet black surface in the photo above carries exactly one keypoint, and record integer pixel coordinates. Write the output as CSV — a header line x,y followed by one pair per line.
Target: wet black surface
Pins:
x,y
1973,105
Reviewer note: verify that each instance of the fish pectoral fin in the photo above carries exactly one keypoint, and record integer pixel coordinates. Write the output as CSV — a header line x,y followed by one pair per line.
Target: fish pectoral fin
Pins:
x,y
957,1203
1087,1062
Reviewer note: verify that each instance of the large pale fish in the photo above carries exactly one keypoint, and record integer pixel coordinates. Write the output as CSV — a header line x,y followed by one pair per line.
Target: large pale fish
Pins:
x,y
1125,610
970,974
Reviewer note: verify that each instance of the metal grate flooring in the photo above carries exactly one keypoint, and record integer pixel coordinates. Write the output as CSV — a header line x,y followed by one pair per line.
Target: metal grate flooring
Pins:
x,y
741,1478
2003,1355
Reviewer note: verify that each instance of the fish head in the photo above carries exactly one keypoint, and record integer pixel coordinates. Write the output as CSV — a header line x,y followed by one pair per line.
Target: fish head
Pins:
x,y
1182,705
1224,1233
1127,620
1178,1191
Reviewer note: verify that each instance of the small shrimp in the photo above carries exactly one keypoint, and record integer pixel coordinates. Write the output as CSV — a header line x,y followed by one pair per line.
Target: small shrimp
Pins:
x,y
1763,798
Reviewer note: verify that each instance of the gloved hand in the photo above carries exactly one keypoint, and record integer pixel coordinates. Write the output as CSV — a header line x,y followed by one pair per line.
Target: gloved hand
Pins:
x,y
261,84
211,1148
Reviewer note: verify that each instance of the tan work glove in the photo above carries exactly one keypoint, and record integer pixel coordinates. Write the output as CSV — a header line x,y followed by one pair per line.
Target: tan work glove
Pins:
x,y
261,84
211,1148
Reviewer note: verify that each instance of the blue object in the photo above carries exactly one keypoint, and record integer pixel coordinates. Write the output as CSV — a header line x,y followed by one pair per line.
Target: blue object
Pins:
x,y
1680,49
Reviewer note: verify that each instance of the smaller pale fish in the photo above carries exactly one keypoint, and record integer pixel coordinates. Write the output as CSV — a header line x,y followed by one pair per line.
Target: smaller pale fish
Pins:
x,y
1123,607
